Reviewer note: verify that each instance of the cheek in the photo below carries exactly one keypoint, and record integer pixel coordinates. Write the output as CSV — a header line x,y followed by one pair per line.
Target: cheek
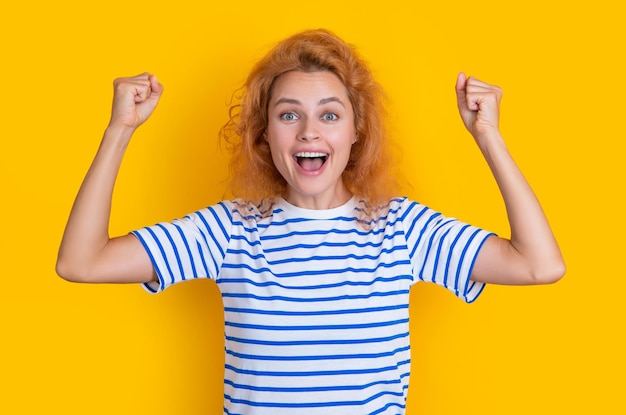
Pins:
x,y
277,154
278,134
342,139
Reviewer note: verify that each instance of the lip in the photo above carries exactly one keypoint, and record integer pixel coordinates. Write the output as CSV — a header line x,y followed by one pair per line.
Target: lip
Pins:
x,y
312,173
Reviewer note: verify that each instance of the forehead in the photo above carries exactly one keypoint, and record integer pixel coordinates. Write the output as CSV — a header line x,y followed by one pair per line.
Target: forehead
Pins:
x,y
314,85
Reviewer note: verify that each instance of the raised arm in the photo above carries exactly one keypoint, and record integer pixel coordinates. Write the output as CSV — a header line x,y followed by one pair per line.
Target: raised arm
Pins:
x,y
87,253
532,255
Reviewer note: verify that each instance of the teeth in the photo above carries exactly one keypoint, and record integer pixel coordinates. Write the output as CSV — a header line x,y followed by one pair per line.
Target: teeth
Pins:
x,y
310,154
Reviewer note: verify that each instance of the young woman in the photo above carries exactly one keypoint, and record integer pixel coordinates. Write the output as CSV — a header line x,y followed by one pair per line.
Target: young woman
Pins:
x,y
316,257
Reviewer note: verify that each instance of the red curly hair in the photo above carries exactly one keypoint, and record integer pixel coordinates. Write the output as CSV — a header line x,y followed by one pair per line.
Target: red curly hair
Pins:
x,y
254,176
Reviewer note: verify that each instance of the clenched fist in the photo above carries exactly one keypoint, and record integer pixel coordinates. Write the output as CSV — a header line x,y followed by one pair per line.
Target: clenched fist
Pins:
x,y
134,100
479,106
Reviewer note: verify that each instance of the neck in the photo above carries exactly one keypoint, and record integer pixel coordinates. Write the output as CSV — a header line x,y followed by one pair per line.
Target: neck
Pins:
x,y
329,200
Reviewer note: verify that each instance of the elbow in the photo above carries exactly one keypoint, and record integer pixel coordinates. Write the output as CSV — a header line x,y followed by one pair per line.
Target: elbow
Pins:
x,y
549,273
69,272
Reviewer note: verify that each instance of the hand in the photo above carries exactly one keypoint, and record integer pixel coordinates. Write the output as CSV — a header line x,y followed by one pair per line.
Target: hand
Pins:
x,y
479,105
134,100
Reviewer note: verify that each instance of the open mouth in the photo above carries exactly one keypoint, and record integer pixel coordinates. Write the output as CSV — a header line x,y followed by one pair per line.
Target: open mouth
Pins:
x,y
311,161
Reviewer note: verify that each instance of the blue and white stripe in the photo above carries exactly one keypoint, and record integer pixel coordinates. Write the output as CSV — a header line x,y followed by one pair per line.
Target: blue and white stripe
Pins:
x,y
316,306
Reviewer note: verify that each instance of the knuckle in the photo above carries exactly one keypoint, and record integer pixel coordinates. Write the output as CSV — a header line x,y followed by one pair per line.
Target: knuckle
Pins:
x,y
119,83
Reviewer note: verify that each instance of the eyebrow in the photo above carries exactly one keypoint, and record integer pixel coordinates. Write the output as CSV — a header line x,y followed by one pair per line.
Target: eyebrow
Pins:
x,y
320,102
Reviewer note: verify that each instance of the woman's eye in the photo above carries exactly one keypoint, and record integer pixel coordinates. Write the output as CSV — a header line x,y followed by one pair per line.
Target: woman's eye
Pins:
x,y
329,116
288,116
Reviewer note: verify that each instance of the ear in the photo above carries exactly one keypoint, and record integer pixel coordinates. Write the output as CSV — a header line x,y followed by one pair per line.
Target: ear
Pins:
x,y
265,135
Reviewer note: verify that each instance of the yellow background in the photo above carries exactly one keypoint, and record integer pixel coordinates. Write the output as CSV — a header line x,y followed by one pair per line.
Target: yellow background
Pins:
x,y
80,349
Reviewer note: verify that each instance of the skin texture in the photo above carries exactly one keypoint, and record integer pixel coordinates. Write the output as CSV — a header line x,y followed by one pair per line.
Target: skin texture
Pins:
x,y
87,253
532,255
307,112
311,112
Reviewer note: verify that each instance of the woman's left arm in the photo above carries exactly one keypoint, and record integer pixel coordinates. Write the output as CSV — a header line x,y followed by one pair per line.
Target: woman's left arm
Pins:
x,y
532,255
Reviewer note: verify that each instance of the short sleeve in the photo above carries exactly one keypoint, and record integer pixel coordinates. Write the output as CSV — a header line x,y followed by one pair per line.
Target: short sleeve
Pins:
x,y
189,248
443,250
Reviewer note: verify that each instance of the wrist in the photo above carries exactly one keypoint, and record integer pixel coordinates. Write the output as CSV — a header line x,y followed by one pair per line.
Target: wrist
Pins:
x,y
488,138
118,131
115,139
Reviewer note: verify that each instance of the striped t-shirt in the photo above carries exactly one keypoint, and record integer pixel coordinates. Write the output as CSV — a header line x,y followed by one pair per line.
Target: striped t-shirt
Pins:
x,y
316,306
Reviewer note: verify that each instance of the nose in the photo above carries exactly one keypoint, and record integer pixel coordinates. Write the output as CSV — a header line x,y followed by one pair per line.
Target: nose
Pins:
x,y
309,131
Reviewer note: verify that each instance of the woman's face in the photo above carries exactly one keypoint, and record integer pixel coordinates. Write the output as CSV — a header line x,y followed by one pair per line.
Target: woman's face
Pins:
x,y
310,132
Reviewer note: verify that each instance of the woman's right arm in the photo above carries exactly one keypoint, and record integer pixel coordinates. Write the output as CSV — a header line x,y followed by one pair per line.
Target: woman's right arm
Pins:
x,y
87,253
